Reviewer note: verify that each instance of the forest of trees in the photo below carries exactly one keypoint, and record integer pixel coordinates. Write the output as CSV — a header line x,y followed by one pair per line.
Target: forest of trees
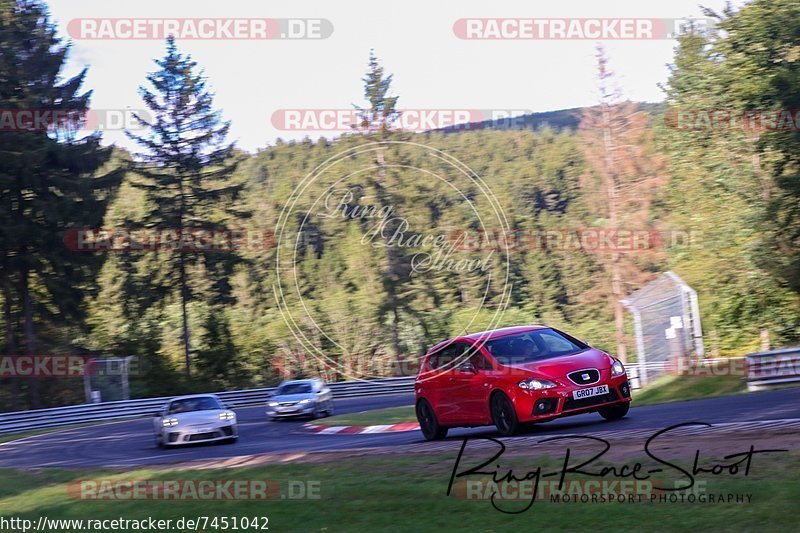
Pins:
x,y
204,321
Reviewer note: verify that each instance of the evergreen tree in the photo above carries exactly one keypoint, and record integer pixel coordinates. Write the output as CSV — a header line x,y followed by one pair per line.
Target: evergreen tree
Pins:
x,y
185,165
48,181
382,110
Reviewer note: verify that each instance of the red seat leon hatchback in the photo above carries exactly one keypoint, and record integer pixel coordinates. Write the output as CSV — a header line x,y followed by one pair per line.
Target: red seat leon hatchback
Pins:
x,y
512,376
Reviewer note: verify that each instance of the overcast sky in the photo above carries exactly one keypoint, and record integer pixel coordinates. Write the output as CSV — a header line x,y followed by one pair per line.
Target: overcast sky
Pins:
x,y
415,40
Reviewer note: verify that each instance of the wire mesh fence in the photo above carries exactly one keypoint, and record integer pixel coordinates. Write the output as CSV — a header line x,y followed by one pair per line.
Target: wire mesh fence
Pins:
x,y
666,322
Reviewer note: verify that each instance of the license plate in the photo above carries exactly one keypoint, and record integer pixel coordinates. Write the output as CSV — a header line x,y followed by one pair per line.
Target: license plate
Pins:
x,y
591,391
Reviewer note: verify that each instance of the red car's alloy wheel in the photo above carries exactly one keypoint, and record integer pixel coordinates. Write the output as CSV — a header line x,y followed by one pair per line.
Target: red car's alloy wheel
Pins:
x,y
430,427
503,415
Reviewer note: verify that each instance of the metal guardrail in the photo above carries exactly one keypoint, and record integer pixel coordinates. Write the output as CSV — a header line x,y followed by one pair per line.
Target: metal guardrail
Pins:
x,y
19,421
711,367
636,371
773,368
765,369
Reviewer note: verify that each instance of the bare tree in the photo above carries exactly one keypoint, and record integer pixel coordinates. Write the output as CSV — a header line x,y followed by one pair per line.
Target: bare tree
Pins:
x,y
622,177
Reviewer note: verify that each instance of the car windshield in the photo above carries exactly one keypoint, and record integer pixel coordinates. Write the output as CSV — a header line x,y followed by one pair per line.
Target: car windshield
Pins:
x,y
186,405
294,388
532,346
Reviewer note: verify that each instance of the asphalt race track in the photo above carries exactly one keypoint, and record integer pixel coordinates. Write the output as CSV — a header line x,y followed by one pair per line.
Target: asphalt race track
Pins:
x,y
130,444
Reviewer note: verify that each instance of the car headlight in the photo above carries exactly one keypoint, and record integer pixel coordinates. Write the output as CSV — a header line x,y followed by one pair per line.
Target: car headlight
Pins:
x,y
536,384
306,400
273,404
169,422
227,415
617,369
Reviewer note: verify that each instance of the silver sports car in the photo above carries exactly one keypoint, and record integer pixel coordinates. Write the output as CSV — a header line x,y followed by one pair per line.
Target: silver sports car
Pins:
x,y
197,418
301,397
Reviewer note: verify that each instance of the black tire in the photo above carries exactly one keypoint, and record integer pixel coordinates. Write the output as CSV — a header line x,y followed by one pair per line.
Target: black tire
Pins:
x,y
428,423
329,408
504,416
231,440
614,412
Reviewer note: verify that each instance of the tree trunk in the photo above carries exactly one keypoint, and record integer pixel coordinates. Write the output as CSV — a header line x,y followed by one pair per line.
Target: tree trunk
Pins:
x,y
394,274
185,315
617,292
184,285
11,341
30,340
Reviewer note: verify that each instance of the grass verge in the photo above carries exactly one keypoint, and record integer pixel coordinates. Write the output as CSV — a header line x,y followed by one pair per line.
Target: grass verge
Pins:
x,y
678,388
389,415
403,493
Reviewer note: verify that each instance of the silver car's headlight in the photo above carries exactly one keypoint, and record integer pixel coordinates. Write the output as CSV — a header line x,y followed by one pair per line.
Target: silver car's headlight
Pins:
x,y
617,369
169,422
227,415
273,404
536,384
306,400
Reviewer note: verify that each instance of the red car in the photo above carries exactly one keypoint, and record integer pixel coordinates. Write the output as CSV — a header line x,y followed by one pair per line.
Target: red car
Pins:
x,y
512,376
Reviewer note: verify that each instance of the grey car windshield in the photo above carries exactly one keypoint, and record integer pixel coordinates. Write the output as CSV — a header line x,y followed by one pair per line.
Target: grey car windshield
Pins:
x,y
295,388
187,405
532,346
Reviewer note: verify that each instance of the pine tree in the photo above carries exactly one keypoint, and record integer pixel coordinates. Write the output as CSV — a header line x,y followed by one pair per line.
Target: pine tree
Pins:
x,y
382,111
47,180
185,165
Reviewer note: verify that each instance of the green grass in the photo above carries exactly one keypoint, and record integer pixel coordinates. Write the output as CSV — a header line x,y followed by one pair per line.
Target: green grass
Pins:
x,y
390,415
407,493
677,388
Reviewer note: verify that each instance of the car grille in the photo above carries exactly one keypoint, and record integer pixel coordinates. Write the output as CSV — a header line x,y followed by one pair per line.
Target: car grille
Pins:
x,y
571,403
227,431
584,377
287,404
202,436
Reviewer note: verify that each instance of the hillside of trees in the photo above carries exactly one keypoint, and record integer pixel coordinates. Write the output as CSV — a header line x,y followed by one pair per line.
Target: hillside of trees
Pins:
x,y
206,321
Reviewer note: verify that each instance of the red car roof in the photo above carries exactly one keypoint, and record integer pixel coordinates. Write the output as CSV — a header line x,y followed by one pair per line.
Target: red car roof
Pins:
x,y
490,334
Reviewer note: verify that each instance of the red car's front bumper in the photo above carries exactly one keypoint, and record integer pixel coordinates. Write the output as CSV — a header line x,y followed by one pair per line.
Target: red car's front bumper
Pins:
x,y
547,404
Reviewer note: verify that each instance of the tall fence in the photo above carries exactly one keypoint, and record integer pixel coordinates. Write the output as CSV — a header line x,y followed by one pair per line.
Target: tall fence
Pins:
x,y
666,320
